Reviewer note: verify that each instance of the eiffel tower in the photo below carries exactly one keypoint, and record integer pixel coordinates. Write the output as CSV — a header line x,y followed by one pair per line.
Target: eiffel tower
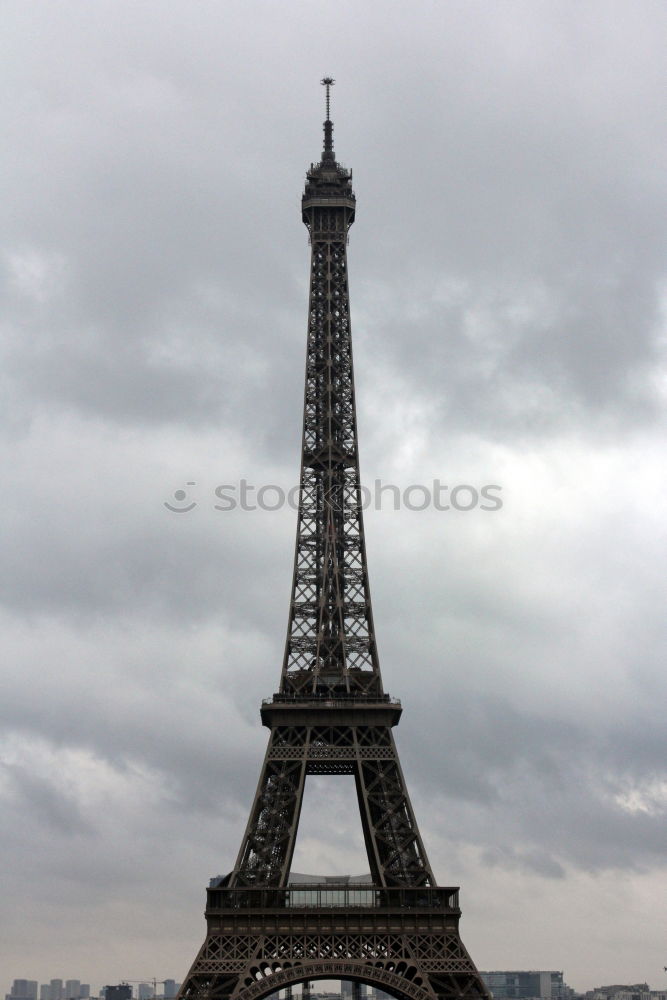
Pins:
x,y
396,930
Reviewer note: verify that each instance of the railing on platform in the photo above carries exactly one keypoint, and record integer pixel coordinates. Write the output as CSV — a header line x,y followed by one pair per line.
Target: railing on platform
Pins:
x,y
329,896
326,697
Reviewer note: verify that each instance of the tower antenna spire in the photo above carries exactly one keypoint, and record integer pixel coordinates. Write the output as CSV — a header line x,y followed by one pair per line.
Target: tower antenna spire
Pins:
x,y
328,82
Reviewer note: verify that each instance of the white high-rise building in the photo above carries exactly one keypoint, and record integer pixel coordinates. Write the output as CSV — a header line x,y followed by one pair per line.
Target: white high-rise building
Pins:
x,y
72,990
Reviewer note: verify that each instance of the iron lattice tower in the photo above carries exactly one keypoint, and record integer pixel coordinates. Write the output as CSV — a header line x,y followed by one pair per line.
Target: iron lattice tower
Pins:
x,y
398,930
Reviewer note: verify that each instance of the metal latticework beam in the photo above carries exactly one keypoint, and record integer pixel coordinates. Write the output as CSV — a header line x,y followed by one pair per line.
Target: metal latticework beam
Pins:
x,y
330,644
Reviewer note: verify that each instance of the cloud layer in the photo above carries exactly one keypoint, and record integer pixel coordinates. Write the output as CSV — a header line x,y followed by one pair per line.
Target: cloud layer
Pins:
x,y
508,297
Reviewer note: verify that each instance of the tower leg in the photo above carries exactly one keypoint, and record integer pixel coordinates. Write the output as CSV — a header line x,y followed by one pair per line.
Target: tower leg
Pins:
x,y
392,838
268,845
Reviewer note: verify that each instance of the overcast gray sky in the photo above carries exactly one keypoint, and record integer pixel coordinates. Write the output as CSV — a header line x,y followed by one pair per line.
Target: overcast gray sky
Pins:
x,y
508,303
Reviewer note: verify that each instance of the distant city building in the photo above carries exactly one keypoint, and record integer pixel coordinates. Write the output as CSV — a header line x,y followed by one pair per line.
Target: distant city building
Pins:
x,y
72,990
348,991
352,991
145,991
170,989
612,991
23,989
527,985
121,992
637,991
362,990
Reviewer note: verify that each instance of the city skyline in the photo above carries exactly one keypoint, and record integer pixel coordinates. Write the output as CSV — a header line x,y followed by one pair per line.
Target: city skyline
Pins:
x,y
508,316
519,984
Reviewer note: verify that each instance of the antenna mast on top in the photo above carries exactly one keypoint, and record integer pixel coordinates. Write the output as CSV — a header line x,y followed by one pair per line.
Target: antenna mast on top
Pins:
x,y
328,82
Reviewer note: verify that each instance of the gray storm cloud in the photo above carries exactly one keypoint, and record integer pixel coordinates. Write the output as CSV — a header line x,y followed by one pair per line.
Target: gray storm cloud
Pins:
x,y
508,303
